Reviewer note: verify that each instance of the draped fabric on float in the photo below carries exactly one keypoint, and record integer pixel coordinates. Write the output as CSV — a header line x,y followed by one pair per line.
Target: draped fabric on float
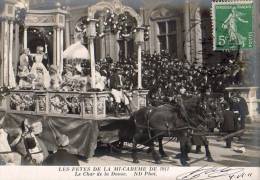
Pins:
x,y
82,133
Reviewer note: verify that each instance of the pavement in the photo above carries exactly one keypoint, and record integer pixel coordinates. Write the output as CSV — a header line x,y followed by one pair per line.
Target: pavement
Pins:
x,y
222,156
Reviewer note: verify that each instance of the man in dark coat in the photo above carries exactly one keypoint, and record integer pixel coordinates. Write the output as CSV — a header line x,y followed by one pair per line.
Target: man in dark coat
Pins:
x,y
243,110
62,157
239,105
228,124
117,86
234,107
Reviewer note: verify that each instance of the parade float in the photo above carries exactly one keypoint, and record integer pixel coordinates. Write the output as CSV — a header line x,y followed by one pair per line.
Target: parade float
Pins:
x,y
63,108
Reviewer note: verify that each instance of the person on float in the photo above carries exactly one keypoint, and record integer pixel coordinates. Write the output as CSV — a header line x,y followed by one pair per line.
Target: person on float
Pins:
x,y
40,50
40,71
116,85
55,78
39,81
62,157
23,73
87,78
100,80
67,78
24,59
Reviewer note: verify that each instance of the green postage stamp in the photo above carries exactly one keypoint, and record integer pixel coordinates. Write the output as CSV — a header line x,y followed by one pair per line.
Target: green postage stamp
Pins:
x,y
232,24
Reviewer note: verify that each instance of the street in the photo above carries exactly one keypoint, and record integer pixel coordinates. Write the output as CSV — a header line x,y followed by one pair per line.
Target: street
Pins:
x,y
221,155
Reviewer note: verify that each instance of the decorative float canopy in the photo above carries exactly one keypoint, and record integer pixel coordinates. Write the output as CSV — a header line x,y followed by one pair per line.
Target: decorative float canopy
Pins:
x,y
76,51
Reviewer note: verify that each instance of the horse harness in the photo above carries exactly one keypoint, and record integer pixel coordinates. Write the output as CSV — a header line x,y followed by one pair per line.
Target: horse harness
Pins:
x,y
29,154
149,128
6,152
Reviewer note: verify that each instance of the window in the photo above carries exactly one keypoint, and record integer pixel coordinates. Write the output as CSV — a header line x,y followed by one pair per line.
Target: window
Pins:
x,y
167,36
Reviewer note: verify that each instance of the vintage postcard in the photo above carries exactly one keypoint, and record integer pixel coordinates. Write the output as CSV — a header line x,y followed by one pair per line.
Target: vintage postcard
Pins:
x,y
129,89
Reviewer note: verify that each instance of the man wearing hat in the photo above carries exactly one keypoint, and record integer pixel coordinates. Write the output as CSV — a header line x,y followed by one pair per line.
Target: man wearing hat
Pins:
x,y
62,157
116,84
228,124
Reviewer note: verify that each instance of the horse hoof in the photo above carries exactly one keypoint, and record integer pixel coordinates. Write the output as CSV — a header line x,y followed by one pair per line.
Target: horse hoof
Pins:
x,y
184,164
164,155
170,158
210,159
198,152
158,162
187,159
135,161
178,156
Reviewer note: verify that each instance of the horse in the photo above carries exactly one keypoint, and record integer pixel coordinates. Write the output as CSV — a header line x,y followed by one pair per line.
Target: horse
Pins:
x,y
149,123
6,153
27,144
202,114
5,150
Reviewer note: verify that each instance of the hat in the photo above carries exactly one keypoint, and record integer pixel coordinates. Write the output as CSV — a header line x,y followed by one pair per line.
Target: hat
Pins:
x,y
62,140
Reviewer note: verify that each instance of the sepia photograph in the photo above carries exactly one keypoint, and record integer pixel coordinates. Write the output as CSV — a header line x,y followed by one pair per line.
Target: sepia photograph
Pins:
x,y
130,89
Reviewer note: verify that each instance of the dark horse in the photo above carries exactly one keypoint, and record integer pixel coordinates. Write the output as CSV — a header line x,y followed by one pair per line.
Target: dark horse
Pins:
x,y
150,123
203,115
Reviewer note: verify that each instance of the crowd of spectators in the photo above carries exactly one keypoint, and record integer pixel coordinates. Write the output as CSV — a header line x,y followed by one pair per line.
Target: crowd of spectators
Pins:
x,y
166,77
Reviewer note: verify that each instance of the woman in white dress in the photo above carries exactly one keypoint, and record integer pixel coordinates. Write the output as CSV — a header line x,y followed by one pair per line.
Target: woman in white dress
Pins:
x,y
35,69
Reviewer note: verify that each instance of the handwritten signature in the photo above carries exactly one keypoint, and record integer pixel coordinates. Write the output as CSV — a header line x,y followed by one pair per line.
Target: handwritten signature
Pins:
x,y
214,172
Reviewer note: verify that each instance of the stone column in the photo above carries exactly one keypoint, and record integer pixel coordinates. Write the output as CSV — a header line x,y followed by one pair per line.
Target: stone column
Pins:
x,y
115,48
139,58
61,50
16,47
198,37
67,33
11,77
58,40
25,37
102,39
54,45
187,37
126,45
92,58
139,41
3,47
5,53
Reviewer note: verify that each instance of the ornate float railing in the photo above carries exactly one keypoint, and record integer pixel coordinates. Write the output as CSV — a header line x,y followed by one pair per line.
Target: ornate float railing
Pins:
x,y
86,105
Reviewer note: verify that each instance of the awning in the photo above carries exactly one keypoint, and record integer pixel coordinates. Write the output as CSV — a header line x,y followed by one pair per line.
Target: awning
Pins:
x,y
76,51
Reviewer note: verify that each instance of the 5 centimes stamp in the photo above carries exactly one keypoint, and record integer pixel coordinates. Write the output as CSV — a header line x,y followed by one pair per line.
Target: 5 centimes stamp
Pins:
x,y
232,24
